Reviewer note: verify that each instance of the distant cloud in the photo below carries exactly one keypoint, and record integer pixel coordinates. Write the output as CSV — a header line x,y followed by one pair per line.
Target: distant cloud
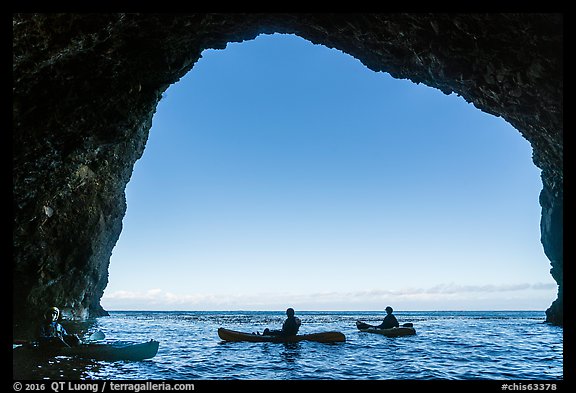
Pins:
x,y
452,288
442,296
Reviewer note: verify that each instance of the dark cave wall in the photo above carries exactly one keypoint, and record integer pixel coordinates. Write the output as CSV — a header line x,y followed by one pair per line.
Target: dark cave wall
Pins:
x,y
85,88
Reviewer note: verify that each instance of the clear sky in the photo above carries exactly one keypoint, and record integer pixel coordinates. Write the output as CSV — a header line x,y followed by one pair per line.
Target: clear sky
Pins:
x,y
280,174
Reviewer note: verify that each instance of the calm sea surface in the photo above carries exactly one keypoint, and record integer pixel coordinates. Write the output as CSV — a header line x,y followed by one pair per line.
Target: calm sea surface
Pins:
x,y
448,346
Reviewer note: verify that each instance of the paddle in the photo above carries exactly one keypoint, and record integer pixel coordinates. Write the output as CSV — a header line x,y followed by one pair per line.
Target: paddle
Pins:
x,y
73,340
97,336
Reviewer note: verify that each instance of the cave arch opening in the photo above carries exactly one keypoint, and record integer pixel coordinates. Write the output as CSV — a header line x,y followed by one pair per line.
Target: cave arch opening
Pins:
x,y
366,229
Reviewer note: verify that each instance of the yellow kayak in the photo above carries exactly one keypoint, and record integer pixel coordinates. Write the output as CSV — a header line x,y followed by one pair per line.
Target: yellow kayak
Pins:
x,y
392,332
322,337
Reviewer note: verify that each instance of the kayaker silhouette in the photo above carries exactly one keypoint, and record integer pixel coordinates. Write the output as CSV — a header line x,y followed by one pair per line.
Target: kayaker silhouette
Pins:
x,y
289,327
52,333
390,320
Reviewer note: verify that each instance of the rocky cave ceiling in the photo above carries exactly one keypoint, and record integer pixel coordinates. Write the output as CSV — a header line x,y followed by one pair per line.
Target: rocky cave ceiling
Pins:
x,y
85,88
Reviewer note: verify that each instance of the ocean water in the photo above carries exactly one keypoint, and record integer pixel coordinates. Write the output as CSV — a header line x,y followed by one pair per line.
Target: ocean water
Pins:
x,y
502,345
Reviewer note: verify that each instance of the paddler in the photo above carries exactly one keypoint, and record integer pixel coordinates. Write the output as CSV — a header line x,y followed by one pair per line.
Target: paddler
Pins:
x,y
52,333
289,327
390,320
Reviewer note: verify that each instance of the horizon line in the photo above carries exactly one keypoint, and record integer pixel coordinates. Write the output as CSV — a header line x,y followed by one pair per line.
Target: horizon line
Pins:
x,y
378,310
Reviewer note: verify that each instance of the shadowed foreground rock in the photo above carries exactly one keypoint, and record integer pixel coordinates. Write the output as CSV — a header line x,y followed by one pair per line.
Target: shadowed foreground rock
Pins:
x,y
85,88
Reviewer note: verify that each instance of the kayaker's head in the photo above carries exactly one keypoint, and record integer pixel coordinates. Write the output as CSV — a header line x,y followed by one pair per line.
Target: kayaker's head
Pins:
x,y
52,314
389,310
290,312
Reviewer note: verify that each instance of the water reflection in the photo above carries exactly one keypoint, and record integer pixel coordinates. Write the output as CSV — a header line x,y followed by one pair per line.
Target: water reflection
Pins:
x,y
291,352
60,367
27,365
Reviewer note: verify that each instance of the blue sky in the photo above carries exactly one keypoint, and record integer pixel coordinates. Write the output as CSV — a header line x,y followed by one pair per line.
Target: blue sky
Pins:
x,y
279,174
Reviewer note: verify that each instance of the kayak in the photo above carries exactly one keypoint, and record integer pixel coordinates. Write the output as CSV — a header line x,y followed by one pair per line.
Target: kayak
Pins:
x,y
392,332
322,337
97,351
